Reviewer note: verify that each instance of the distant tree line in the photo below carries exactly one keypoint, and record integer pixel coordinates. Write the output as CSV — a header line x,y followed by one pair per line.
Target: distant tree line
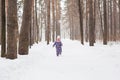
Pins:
x,y
91,20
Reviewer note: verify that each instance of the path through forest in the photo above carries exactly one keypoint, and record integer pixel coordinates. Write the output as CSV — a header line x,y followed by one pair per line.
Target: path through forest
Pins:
x,y
77,62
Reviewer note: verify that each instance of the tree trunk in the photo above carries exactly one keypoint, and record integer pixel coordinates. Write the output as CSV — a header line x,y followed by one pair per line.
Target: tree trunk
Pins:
x,y
111,22
24,33
94,36
115,22
53,15
105,24
119,19
12,29
37,26
31,30
3,29
87,21
91,24
101,21
81,21
0,19
57,18
48,22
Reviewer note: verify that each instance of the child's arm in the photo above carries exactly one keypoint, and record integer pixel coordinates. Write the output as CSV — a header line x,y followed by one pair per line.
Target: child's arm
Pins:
x,y
54,44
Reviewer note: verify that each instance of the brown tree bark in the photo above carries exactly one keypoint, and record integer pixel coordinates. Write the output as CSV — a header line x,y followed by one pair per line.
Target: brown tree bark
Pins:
x,y
87,21
31,31
94,11
81,22
105,24
12,29
48,22
3,29
115,21
110,25
53,15
119,19
37,26
57,18
91,24
0,19
24,33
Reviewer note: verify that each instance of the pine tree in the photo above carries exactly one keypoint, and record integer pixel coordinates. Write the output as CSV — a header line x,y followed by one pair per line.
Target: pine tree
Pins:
x,y
11,29
24,32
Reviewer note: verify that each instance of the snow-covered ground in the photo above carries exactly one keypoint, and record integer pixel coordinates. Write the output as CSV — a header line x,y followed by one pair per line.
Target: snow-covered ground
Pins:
x,y
77,62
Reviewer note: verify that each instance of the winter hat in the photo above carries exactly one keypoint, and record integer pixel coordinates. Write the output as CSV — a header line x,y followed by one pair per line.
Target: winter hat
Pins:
x,y
58,37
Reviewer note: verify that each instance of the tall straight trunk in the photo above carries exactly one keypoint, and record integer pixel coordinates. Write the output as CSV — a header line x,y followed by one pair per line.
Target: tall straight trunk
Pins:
x,y
73,32
3,29
81,21
59,15
48,22
41,18
30,35
101,20
0,19
45,19
33,22
57,18
91,24
114,12
108,18
119,19
11,29
37,27
72,19
24,33
111,22
94,20
53,15
41,30
70,25
105,24
87,21
31,32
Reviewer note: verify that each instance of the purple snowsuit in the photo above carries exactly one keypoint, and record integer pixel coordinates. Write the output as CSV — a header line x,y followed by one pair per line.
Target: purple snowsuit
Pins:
x,y
58,46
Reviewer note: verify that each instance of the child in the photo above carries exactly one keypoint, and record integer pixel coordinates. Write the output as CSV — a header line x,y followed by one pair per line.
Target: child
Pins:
x,y
58,45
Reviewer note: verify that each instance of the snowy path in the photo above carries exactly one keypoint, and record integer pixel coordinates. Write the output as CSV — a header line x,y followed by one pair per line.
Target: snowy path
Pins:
x,y
77,62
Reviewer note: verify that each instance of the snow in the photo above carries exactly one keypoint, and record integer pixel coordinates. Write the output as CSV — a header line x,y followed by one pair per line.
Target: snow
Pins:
x,y
77,62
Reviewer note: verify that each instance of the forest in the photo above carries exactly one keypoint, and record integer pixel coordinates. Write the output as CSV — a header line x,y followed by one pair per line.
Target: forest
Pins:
x,y
26,22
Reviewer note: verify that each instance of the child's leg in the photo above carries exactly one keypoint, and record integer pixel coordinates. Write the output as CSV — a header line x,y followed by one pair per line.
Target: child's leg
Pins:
x,y
60,53
57,54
